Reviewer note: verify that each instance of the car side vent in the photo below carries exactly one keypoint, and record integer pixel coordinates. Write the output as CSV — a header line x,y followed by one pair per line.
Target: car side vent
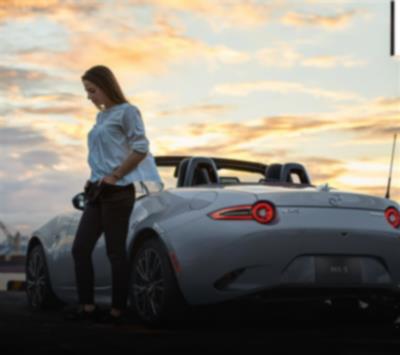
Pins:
x,y
228,279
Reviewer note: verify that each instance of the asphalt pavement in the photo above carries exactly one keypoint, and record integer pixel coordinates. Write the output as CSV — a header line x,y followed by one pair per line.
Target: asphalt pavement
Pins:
x,y
249,329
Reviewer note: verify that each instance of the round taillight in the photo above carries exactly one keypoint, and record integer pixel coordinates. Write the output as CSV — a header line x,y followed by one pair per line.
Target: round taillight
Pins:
x,y
263,212
393,217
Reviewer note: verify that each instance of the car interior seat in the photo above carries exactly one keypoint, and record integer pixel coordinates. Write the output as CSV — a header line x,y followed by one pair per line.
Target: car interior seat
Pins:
x,y
182,168
201,176
274,172
283,173
198,171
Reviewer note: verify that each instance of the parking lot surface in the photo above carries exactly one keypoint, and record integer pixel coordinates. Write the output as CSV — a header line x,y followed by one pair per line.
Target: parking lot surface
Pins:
x,y
275,329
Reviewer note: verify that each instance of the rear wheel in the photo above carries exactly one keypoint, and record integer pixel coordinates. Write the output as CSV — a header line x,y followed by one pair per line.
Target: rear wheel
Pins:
x,y
38,288
154,294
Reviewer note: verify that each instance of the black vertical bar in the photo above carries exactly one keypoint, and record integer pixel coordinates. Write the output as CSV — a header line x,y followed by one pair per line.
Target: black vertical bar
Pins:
x,y
392,28
391,167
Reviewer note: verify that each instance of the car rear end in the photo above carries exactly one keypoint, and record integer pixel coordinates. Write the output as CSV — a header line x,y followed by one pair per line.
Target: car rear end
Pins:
x,y
279,241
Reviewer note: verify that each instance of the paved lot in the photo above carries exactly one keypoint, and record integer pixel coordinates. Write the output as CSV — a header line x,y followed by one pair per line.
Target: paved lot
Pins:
x,y
270,329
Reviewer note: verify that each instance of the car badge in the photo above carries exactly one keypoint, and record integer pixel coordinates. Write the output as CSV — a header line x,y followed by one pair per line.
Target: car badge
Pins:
x,y
335,200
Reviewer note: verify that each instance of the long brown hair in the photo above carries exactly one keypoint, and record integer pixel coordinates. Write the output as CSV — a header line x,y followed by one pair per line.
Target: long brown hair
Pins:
x,y
104,78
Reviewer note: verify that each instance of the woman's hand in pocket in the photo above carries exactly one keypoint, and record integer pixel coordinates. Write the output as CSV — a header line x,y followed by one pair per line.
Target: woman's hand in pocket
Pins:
x,y
109,180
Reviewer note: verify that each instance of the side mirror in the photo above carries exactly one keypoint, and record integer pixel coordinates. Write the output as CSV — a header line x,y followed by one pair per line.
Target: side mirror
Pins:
x,y
78,201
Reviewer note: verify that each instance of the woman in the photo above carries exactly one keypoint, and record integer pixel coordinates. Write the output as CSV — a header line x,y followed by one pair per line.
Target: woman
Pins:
x,y
118,156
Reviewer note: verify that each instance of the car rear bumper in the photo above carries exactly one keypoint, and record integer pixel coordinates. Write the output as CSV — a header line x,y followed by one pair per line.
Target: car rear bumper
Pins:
x,y
315,258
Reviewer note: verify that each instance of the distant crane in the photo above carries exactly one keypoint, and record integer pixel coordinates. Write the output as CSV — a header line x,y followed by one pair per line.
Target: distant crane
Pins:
x,y
12,240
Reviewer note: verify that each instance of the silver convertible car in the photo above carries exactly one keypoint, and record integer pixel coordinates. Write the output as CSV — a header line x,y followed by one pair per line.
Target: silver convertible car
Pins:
x,y
214,237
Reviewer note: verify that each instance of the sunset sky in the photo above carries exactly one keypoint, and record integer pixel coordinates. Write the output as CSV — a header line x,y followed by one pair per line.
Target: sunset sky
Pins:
x,y
310,81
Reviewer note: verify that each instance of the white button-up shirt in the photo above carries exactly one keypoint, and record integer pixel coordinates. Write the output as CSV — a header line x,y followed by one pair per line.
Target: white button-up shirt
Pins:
x,y
118,131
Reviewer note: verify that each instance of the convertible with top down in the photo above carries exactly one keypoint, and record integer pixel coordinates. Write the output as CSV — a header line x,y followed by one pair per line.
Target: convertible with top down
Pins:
x,y
216,237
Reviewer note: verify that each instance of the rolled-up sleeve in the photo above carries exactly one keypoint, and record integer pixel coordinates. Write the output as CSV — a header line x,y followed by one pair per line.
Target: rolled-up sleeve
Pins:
x,y
133,126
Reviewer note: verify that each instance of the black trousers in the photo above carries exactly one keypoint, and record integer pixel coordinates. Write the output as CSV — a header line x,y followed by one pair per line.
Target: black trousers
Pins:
x,y
109,213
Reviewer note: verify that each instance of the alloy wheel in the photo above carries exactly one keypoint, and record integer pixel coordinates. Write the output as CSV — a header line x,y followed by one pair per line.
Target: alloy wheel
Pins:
x,y
149,284
36,278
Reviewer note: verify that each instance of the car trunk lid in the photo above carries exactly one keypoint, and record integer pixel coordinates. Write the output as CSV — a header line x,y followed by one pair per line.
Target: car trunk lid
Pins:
x,y
283,196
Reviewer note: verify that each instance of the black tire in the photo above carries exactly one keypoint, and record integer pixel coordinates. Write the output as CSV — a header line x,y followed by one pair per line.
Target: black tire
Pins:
x,y
38,288
154,293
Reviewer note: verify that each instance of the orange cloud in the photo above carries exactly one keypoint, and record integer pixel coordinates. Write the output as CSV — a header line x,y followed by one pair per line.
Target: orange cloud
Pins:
x,y
28,4
334,22
126,45
222,150
327,61
137,53
284,56
245,139
12,9
205,109
220,14
388,102
236,139
323,170
337,173
324,2
373,129
373,121
369,128
368,175
380,108
283,87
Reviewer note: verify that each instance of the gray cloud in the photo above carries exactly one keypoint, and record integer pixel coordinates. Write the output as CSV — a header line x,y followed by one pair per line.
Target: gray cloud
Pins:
x,y
6,109
53,110
336,21
20,77
36,84
21,136
372,128
40,157
28,203
29,9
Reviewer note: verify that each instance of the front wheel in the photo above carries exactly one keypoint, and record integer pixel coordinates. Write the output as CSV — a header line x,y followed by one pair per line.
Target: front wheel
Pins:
x,y
38,288
154,294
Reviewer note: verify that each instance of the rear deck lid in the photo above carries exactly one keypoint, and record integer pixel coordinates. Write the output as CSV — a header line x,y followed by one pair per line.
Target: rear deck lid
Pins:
x,y
312,197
